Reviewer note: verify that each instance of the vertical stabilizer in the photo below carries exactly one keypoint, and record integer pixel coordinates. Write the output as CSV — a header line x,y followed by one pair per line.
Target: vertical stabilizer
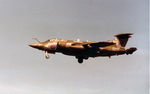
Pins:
x,y
122,39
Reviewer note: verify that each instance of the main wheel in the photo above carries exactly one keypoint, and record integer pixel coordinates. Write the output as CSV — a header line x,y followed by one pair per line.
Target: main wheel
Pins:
x,y
80,60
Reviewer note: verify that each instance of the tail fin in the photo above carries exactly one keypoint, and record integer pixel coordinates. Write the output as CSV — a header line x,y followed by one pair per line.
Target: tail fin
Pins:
x,y
122,39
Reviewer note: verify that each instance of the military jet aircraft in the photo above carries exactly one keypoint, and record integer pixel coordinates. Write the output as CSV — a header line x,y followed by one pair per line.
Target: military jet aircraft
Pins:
x,y
85,49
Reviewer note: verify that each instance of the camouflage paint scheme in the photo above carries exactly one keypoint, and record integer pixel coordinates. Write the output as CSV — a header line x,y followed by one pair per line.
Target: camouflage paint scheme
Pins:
x,y
85,49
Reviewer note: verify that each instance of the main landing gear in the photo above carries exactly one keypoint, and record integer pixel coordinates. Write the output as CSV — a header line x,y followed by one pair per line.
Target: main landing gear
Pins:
x,y
80,60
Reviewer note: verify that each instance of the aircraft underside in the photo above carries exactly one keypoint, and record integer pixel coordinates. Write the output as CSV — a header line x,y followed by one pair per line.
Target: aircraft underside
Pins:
x,y
80,55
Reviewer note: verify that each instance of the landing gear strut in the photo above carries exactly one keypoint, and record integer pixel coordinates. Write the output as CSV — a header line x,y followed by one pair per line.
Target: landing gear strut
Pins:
x,y
47,55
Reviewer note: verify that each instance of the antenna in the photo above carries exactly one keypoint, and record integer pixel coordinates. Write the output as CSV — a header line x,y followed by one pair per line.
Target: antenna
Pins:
x,y
78,39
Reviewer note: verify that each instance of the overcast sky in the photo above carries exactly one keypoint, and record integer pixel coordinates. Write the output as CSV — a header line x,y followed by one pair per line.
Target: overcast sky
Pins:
x,y
24,70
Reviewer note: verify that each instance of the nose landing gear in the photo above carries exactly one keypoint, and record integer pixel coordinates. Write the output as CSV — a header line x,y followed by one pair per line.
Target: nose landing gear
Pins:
x,y
47,55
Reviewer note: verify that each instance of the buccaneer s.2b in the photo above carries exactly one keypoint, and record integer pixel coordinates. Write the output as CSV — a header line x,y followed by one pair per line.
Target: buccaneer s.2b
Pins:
x,y
85,49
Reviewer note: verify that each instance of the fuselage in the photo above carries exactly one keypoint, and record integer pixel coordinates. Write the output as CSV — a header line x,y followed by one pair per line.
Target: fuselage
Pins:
x,y
75,48
85,49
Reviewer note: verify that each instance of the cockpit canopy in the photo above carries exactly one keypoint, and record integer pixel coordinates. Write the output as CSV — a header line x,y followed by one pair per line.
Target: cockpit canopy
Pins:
x,y
54,40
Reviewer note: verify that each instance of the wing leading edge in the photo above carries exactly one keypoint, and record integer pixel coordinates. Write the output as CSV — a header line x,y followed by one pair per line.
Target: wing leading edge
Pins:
x,y
98,44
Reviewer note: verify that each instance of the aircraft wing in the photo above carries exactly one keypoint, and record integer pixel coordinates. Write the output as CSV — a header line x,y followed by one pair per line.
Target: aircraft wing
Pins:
x,y
98,44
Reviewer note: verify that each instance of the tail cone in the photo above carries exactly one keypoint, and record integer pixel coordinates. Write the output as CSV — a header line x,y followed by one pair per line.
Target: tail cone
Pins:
x,y
131,50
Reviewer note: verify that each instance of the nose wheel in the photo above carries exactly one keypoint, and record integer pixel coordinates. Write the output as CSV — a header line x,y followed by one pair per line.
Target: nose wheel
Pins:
x,y
47,55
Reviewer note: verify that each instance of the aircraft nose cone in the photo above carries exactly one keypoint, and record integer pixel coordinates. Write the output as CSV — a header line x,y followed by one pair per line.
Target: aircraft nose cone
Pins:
x,y
36,45
33,45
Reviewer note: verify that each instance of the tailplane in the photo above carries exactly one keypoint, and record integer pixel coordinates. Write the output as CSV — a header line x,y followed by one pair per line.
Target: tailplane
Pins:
x,y
122,39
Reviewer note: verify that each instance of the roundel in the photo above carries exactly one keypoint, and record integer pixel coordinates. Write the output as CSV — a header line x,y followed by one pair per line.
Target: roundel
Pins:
x,y
53,46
